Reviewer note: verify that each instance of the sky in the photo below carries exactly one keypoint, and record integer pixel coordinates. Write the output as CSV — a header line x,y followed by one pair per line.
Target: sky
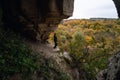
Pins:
x,y
94,8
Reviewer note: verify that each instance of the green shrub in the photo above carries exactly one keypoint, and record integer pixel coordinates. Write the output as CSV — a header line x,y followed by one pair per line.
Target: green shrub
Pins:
x,y
87,64
77,46
15,56
50,70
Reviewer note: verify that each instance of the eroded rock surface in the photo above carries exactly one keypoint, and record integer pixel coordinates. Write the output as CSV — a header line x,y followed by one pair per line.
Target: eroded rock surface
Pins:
x,y
113,70
35,18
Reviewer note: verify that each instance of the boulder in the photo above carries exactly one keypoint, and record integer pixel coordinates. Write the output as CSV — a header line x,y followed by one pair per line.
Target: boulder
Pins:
x,y
113,70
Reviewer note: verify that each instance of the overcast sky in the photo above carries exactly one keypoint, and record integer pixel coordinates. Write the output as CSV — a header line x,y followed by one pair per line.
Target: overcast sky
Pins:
x,y
94,8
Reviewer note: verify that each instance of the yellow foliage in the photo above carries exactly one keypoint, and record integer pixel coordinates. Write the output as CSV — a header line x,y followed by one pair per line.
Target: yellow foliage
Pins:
x,y
81,38
88,39
99,35
51,38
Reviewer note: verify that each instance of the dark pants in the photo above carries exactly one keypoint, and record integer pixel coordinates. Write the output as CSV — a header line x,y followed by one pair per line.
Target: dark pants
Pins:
x,y
55,41
55,44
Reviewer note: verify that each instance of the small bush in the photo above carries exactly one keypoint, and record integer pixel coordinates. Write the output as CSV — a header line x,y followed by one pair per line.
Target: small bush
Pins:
x,y
77,46
50,70
15,56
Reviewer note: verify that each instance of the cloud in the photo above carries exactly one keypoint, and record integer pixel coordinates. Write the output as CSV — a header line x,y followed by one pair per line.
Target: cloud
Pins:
x,y
94,8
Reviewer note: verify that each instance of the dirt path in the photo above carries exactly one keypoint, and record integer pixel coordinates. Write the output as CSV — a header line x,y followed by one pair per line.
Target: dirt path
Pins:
x,y
45,49
50,53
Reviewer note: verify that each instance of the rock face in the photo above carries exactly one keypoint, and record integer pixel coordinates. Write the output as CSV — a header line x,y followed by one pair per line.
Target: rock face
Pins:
x,y
35,18
117,4
113,70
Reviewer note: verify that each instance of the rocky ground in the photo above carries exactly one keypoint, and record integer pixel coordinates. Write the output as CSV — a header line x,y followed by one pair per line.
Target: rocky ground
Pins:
x,y
111,73
47,50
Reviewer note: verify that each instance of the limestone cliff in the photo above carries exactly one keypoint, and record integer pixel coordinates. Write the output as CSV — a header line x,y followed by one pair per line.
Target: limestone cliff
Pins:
x,y
113,70
35,18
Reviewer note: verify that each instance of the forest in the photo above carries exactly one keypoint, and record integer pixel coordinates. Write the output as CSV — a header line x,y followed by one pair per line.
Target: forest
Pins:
x,y
90,43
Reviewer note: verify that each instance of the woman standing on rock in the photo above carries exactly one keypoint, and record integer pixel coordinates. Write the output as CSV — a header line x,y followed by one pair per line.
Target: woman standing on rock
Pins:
x,y
55,41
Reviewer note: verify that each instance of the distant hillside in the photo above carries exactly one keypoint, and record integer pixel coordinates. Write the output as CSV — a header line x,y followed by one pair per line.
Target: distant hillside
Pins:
x,y
103,18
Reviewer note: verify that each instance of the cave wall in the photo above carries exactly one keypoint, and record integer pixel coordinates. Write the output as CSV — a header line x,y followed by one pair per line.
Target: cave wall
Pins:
x,y
117,4
35,19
